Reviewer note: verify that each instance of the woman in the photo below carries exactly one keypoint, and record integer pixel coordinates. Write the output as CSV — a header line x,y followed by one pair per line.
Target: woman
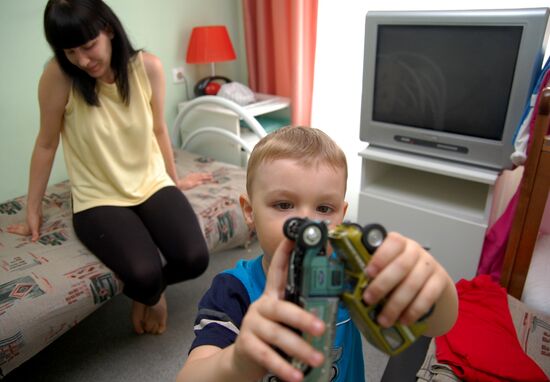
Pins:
x,y
105,99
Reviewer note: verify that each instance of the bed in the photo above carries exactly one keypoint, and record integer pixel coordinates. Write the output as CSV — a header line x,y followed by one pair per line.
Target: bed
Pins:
x,y
527,259
49,286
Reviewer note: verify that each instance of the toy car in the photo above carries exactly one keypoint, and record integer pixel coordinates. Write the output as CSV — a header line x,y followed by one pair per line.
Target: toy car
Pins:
x,y
355,246
318,281
315,282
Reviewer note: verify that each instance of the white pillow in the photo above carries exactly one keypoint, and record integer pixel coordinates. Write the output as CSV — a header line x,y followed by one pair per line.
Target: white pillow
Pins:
x,y
237,92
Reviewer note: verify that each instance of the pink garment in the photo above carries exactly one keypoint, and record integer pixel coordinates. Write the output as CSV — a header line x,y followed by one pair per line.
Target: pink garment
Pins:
x,y
496,237
280,38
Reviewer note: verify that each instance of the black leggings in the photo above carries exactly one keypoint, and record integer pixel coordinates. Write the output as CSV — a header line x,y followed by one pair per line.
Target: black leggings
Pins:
x,y
128,241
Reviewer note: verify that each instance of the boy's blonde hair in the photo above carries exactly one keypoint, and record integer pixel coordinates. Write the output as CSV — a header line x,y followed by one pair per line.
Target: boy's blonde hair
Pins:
x,y
307,145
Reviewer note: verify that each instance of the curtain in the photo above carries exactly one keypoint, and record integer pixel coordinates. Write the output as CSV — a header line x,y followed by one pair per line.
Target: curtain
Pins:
x,y
280,46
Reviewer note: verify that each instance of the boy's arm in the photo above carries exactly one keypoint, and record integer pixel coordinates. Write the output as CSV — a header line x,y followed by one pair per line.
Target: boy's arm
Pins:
x,y
445,312
412,281
210,363
264,327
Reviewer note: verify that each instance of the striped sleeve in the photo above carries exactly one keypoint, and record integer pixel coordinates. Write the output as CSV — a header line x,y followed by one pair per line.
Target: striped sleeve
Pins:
x,y
220,312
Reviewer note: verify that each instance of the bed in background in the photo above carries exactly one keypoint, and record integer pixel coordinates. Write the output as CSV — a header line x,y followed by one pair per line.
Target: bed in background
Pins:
x,y
527,260
51,285
524,281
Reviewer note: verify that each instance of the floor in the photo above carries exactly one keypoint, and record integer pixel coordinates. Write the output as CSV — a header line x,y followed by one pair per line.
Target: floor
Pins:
x,y
104,348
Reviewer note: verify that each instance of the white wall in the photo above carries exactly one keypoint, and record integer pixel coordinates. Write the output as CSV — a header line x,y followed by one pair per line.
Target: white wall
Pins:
x,y
161,27
339,69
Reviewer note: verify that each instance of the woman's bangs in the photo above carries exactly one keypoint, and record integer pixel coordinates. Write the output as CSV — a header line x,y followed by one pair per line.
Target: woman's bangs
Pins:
x,y
72,31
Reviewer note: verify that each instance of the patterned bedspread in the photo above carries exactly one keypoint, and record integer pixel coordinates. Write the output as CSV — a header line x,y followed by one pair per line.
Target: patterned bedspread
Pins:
x,y
49,286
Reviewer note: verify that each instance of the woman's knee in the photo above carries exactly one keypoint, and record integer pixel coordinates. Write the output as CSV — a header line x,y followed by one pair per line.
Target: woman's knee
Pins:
x,y
202,263
195,262
145,280
187,266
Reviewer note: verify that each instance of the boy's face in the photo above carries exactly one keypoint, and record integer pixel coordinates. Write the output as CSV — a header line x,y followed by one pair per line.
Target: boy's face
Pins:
x,y
286,188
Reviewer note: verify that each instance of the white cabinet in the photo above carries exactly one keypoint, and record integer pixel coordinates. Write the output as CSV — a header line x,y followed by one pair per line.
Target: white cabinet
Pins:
x,y
445,206
266,108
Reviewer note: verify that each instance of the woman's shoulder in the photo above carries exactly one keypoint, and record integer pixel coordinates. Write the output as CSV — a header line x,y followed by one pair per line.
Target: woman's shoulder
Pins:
x,y
53,75
54,84
155,73
153,65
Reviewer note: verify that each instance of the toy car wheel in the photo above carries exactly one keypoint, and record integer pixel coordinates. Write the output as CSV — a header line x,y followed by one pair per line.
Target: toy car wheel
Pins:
x,y
311,235
291,227
373,236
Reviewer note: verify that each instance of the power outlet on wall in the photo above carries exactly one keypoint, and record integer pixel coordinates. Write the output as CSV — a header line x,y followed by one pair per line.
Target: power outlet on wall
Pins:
x,y
178,75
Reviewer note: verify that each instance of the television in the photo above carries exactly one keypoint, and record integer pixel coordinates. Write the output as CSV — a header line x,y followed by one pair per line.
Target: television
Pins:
x,y
450,84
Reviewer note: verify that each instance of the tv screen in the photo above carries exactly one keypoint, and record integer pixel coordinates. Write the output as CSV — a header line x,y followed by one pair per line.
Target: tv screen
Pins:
x,y
456,79
450,84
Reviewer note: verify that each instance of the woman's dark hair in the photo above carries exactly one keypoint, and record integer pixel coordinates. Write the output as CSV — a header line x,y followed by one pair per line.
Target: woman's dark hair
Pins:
x,y
71,23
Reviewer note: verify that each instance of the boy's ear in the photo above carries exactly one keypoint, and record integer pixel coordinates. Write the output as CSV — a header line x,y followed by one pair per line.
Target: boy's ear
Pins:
x,y
246,207
346,205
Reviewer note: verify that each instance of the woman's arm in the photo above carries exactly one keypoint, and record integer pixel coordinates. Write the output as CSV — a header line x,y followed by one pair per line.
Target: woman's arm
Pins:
x,y
153,66
53,93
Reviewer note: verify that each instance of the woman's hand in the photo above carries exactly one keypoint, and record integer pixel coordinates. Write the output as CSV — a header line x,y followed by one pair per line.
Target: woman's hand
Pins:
x,y
30,228
194,179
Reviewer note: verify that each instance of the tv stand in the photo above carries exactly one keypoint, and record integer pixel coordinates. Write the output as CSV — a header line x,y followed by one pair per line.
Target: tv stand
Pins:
x,y
443,205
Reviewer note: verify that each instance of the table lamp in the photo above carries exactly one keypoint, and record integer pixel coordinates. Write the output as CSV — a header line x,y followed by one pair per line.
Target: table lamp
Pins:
x,y
208,45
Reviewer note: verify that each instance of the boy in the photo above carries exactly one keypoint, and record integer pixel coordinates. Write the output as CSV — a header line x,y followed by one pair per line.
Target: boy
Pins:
x,y
301,172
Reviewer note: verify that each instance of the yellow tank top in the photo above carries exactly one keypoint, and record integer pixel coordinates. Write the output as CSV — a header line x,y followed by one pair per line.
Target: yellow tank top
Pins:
x,y
111,152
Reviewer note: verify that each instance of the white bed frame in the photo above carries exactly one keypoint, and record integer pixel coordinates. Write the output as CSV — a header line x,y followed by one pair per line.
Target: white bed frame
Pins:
x,y
179,125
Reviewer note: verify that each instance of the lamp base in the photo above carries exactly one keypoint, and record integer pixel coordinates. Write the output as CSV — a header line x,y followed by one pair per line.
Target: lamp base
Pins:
x,y
210,85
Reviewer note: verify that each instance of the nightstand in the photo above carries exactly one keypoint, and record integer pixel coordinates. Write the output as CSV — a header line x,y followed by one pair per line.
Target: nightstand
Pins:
x,y
443,205
271,112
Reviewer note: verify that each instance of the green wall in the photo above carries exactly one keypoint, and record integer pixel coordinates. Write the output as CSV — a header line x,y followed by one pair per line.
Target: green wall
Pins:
x,y
162,27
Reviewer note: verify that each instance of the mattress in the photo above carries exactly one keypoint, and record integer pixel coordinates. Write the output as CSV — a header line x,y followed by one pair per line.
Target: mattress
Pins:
x,y
536,291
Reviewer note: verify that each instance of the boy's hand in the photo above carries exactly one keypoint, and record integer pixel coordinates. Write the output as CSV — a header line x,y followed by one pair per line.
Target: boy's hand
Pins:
x,y
263,328
410,278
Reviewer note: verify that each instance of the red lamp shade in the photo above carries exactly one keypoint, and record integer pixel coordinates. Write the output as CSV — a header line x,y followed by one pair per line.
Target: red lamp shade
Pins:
x,y
209,44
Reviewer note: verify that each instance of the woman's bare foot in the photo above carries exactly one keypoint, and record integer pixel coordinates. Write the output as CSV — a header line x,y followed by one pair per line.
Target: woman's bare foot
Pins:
x,y
154,321
138,315
150,319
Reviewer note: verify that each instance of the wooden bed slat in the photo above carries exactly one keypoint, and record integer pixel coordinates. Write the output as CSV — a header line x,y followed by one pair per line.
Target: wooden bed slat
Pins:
x,y
534,188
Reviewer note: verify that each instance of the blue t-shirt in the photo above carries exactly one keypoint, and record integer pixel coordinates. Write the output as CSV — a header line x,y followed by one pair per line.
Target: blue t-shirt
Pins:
x,y
222,308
